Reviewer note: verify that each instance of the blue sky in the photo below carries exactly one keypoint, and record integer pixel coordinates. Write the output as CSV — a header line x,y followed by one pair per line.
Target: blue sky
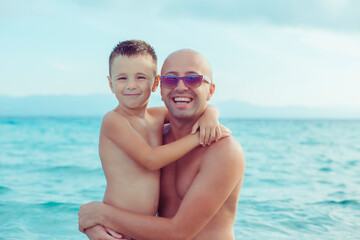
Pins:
x,y
278,52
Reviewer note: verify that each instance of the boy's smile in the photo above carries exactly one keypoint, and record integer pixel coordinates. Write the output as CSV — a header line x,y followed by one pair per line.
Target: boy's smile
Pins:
x,y
132,79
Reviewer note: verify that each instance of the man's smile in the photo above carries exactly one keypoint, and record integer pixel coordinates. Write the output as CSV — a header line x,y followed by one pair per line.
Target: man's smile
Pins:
x,y
182,100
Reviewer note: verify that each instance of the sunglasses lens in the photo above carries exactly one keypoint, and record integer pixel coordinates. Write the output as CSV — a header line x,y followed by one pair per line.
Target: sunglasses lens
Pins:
x,y
169,81
193,81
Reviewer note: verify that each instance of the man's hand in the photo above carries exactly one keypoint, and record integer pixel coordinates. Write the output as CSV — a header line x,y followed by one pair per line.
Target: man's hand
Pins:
x,y
98,232
88,215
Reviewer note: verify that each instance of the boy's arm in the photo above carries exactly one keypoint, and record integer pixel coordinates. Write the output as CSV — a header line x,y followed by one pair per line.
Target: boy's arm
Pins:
x,y
119,130
208,192
209,125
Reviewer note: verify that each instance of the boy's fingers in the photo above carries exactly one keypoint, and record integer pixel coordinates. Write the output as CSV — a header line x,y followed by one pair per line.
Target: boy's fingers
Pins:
x,y
218,133
212,136
202,135
195,128
208,136
225,132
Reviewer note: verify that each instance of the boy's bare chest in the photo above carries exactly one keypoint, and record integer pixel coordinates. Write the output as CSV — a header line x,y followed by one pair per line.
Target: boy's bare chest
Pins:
x,y
150,131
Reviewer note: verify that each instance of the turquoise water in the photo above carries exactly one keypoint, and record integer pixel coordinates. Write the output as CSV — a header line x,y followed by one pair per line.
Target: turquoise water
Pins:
x,y
302,177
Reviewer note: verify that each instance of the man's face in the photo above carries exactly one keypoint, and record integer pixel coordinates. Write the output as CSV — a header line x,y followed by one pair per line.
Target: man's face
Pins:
x,y
131,79
181,101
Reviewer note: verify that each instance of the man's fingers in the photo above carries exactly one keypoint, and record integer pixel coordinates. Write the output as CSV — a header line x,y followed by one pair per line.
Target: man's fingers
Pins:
x,y
81,229
114,234
98,232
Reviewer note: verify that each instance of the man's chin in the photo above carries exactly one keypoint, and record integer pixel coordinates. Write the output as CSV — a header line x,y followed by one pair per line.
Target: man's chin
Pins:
x,y
181,114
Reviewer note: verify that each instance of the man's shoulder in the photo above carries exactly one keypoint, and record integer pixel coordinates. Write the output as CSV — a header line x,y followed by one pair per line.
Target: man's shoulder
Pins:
x,y
227,149
159,113
227,144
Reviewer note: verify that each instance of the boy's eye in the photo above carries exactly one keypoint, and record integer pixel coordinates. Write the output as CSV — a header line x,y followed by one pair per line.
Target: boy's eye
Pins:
x,y
121,78
141,77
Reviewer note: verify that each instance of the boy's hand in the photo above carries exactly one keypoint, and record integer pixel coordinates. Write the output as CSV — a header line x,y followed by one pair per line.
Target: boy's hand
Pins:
x,y
225,132
209,126
209,131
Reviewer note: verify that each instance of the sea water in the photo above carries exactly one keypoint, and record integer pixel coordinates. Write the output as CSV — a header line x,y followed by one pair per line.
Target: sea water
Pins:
x,y
302,178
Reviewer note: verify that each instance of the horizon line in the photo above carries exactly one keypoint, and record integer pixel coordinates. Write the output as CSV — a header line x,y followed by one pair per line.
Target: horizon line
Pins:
x,y
212,100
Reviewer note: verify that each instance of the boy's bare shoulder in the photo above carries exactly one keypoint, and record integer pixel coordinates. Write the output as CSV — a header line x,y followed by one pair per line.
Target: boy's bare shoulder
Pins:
x,y
112,119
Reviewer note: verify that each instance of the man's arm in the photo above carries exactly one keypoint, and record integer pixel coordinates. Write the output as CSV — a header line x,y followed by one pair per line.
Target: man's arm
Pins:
x,y
208,192
99,232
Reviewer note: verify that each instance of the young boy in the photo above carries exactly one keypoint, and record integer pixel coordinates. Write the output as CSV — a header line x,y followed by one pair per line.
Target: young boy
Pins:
x,y
130,144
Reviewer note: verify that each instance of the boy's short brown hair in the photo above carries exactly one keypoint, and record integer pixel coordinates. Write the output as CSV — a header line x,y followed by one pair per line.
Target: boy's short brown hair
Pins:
x,y
133,48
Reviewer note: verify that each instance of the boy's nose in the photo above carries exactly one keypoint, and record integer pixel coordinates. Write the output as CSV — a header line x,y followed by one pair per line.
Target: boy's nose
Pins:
x,y
131,84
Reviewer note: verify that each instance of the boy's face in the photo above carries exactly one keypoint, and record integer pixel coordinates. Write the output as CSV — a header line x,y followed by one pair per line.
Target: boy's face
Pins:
x,y
132,79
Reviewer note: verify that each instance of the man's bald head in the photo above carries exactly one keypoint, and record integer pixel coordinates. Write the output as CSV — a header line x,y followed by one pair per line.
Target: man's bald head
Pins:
x,y
186,61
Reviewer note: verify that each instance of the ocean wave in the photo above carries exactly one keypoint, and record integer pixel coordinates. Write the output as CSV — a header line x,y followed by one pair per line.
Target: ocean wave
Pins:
x,y
69,169
4,189
346,202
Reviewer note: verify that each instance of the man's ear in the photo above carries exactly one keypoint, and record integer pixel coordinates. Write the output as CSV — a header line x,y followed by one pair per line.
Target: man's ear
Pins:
x,y
156,83
211,91
110,84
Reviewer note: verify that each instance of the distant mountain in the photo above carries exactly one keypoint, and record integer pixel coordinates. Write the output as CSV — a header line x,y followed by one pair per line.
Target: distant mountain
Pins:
x,y
236,109
98,105
62,105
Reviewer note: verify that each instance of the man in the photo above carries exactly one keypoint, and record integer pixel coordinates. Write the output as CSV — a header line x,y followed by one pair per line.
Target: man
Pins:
x,y
200,191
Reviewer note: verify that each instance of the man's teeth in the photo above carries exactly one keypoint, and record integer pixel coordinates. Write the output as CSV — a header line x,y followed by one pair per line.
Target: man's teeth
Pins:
x,y
181,99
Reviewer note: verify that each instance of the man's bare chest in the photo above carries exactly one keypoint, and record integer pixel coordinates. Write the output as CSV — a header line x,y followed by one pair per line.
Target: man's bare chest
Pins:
x,y
187,169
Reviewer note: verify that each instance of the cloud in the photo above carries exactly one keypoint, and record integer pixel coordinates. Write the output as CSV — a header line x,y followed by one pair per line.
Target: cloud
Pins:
x,y
342,43
340,15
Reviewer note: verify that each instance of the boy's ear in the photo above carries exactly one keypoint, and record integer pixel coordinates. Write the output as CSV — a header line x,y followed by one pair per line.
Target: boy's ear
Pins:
x,y
110,84
156,83
211,91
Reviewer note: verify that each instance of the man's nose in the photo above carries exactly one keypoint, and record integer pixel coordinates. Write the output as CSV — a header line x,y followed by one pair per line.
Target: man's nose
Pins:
x,y
181,86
